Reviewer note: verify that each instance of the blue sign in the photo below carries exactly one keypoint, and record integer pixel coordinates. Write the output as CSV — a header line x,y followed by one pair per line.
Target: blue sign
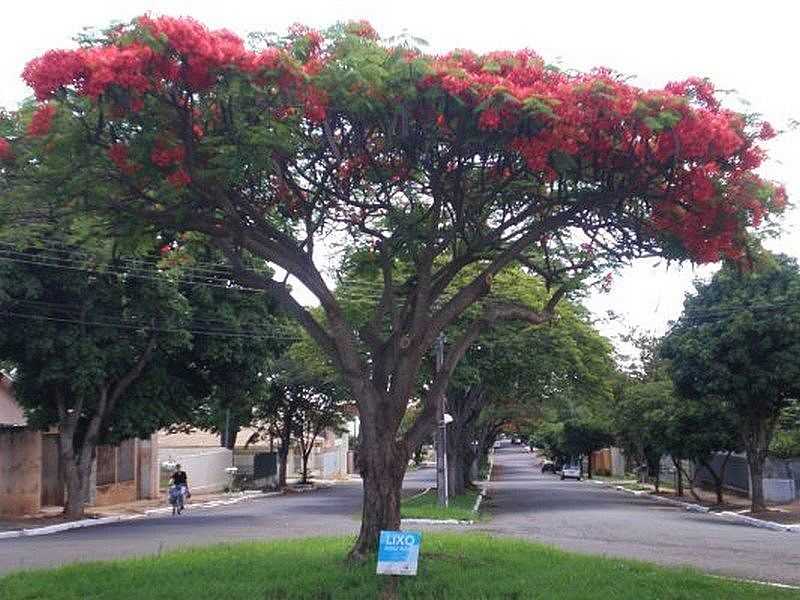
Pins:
x,y
398,552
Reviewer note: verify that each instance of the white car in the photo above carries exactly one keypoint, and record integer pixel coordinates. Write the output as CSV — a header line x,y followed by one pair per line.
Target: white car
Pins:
x,y
571,472
496,444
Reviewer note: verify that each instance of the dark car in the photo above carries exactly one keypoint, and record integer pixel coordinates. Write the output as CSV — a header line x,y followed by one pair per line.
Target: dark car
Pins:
x,y
549,466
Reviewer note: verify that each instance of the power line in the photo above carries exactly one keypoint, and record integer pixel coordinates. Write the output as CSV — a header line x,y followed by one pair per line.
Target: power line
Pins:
x,y
68,254
148,327
154,274
75,309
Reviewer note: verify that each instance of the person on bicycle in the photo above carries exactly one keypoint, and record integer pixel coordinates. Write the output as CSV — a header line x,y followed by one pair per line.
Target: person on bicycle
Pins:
x,y
181,481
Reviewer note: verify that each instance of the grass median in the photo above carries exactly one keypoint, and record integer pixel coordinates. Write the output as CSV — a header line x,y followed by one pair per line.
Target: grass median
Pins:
x,y
471,566
426,506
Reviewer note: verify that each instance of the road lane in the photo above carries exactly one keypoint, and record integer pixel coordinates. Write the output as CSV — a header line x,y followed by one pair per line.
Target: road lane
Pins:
x,y
331,511
585,517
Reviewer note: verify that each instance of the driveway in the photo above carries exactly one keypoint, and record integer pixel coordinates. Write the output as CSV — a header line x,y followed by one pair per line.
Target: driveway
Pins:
x,y
585,517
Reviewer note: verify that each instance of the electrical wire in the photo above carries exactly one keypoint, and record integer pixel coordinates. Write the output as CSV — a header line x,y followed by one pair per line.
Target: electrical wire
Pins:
x,y
150,327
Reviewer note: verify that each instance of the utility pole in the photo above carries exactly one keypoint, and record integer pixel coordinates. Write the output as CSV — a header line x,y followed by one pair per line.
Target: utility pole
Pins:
x,y
441,431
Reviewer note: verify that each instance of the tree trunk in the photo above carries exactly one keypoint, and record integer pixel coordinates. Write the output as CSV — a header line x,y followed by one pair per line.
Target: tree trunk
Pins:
x,y
756,443
589,465
718,479
465,406
678,476
306,456
78,478
383,463
722,469
691,481
283,455
286,438
77,467
719,485
232,432
455,461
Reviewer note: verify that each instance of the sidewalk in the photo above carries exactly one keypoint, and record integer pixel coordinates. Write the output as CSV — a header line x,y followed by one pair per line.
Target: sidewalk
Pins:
x,y
52,516
784,516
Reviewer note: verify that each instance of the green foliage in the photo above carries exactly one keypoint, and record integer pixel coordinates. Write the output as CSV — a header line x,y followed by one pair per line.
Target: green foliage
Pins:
x,y
71,333
581,438
786,441
739,340
528,369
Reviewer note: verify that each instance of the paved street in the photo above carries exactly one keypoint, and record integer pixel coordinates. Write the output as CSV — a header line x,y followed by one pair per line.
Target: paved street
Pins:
x,y
575,516
588,518
329,511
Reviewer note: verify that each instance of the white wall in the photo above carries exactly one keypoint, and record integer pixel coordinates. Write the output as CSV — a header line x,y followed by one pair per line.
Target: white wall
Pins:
x,y
205,467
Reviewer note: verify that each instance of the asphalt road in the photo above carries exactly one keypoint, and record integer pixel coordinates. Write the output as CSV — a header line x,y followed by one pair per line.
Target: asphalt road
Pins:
x,y
575,516
585,517
330,511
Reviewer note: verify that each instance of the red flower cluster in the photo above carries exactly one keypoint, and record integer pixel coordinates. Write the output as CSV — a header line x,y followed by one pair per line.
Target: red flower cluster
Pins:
x,y
118,153
179,179
91,71
199,51
597,119
691,159
767,132
187,54
53,70
311,36
315,104
5,149
42,120
363,29
164,156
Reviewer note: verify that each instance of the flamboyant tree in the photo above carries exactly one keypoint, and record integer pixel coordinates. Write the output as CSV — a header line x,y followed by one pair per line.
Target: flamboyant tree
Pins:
x,y
440,162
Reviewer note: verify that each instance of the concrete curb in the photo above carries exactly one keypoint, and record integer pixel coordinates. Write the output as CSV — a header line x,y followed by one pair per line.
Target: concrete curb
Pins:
x,y
437,522
760,522
485,488
752,521
58,528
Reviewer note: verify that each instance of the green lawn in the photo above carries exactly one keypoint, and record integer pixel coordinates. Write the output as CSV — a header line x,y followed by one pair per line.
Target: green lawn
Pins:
x,y
453,566
427,507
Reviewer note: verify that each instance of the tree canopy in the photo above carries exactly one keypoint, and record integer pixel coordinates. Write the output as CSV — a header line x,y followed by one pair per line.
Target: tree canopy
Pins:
x,y
738,341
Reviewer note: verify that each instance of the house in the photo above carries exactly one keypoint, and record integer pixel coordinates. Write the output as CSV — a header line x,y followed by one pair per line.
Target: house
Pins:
x,y
204,459
31,477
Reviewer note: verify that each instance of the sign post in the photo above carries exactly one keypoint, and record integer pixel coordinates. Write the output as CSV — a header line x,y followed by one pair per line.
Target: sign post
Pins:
x,y
398,552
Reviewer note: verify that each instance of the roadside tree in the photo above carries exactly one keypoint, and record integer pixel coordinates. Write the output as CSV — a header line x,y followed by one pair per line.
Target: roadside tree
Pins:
x,y
738,342
442,162
90,351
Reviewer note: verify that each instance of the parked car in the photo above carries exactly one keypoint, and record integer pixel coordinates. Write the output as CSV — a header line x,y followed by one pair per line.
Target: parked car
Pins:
x,y
516,440
572,472
496,444
549,466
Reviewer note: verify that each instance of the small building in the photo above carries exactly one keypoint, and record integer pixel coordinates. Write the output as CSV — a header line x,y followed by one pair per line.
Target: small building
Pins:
x,y
30,472
205,461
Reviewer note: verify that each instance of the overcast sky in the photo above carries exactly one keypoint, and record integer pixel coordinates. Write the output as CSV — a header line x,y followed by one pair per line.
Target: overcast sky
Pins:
x,y
750,47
